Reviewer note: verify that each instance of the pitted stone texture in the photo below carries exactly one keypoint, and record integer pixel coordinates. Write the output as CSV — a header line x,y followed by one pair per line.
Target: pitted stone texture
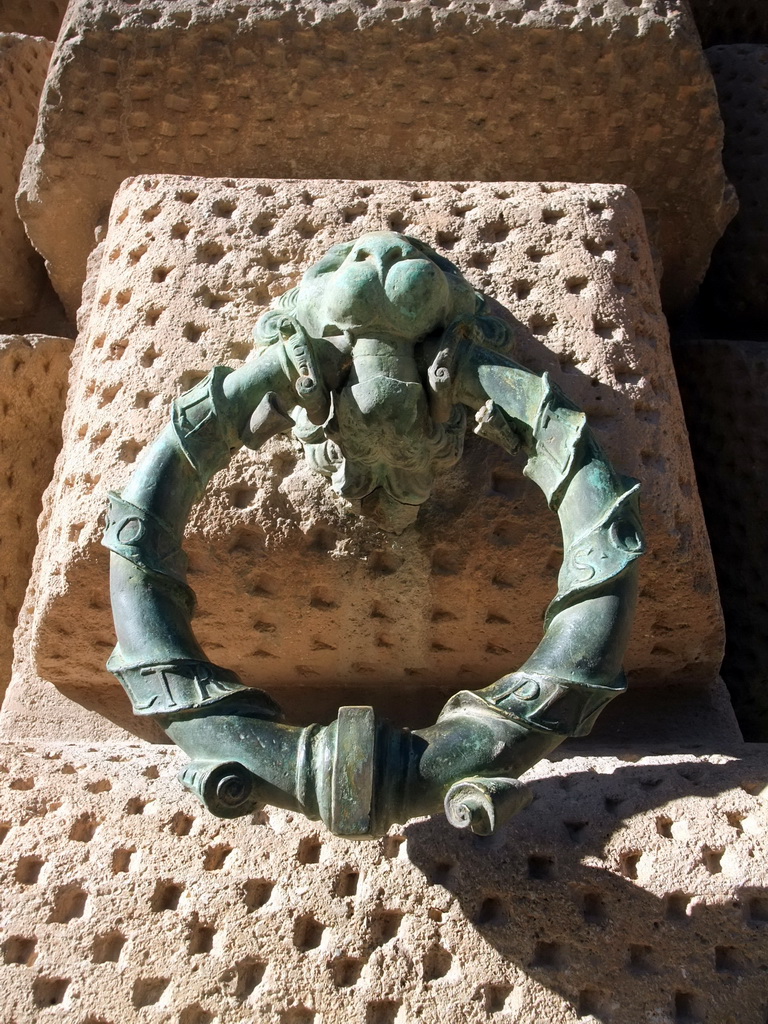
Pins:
x,y
731,21
23,64
555,90
735,284
294,591
724,385
632,889
33,388
32,17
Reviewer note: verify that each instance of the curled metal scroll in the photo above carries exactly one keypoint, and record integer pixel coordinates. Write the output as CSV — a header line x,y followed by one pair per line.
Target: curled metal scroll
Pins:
x,y
382,349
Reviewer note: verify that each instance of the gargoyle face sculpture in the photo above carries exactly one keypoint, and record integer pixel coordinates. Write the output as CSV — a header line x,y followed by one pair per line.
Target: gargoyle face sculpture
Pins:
x,y
382,283
388,302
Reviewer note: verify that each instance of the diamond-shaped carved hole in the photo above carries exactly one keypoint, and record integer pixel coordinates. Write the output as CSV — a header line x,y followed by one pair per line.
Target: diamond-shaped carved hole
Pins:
x,y
307,932
249,974
346,882
392,846
593,908
309,850
687,1008
381,1011
257,892
68,904
28,870
108,947
17,949
181,823
548,955
495,998
148,991
440,872
541,867
345,971
195,1014
166,896
676,906
49,991
121,860
201,938
491,912
83,828
712,859
215,857
664,826
640,961
297,1015
385,925
436,964
592,1003
728,960
628,863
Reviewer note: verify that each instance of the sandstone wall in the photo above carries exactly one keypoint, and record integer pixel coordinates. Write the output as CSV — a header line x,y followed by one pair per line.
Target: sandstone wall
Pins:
x,y
731,21
293,591
23,64
633,889
32,17
737,275
724,384
33,388
570,90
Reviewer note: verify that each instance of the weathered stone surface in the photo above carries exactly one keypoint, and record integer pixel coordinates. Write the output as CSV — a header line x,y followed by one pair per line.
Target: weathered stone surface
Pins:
x,y
731,21
633,889
33,388
32,17
294,592
735,284
566,90
724,385
23,63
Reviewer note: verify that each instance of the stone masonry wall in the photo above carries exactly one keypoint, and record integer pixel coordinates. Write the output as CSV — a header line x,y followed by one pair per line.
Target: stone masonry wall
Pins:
x,y
33,388
292,588
32,17
736,281
570,90
723,22
633,889
23,65
724,384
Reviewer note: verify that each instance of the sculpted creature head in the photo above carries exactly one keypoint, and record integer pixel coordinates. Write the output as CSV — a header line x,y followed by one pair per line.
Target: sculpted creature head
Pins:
x,y
390,425
382,283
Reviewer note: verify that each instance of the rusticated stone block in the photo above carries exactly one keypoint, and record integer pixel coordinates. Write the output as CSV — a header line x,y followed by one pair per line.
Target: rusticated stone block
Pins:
x,y
23,63
632,889
736,282
731,21
32,17
295,592
724,385
616,91
33,387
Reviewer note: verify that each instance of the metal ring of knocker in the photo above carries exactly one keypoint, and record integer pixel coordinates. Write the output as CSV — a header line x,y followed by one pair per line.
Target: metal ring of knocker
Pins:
x,y
358,774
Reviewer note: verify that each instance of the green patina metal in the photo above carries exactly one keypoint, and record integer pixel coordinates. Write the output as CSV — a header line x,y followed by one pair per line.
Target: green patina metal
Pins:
x,y
373,362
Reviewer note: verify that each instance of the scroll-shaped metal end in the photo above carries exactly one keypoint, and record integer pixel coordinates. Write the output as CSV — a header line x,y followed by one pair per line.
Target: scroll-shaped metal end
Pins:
x,y
483,804
226,788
